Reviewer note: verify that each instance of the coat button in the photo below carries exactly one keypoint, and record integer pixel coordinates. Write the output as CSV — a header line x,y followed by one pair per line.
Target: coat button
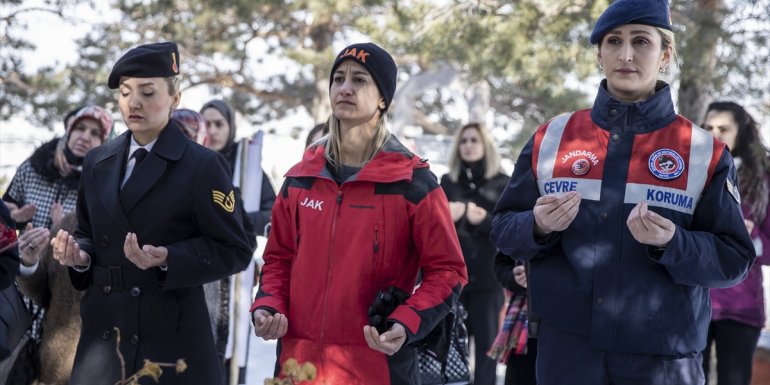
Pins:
x,y
600,301
613,112
603,215
135,291
105,241
615,137
134,339
106,289
106,334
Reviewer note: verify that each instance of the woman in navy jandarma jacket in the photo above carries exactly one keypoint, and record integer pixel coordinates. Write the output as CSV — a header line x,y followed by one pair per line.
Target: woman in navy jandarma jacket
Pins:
x,y
358,215
627,213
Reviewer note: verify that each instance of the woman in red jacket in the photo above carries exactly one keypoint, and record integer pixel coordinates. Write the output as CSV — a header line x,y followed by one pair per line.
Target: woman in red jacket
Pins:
x,y
358,215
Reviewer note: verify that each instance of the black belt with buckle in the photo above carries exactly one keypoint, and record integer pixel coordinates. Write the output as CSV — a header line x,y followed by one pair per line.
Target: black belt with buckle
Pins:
x,y
119,278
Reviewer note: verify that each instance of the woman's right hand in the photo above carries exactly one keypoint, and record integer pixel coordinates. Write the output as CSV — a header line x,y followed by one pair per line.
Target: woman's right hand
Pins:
x,y
457,209
21,214
269,326
555,212
67,251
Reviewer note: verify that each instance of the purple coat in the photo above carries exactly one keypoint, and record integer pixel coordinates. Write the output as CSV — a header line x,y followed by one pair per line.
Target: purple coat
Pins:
x,y
744,302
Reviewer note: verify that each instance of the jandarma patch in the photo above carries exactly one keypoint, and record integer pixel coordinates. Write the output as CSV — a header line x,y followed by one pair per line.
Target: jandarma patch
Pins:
x,y
226,201
581,166
666,164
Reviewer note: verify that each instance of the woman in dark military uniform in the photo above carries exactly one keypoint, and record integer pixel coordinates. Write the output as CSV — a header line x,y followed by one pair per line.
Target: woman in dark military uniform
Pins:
x,y
157,219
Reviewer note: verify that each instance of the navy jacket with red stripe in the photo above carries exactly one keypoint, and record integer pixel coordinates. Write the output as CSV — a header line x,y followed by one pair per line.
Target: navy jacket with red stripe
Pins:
x,y
594,279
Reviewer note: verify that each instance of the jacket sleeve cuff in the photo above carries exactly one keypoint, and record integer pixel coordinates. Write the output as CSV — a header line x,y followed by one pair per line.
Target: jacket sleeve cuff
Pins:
x,y
26,271
269,303
408,318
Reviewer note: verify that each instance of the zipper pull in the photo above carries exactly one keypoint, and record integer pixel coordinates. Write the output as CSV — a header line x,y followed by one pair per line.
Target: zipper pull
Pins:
x,y
376,238
339,196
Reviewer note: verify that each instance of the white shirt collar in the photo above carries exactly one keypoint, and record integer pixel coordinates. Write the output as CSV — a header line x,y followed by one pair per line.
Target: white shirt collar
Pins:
x,y
135,146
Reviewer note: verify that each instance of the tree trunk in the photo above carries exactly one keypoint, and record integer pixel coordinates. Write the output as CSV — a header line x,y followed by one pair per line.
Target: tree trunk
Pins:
x,y
322,36
479,94
704,28
402,108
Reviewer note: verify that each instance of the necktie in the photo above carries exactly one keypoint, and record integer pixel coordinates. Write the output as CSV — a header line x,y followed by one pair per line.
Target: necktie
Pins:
x,y
137,156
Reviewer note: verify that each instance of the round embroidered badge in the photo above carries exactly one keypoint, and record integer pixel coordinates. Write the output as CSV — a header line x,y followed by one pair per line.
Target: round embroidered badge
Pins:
x,y
581,166
666,164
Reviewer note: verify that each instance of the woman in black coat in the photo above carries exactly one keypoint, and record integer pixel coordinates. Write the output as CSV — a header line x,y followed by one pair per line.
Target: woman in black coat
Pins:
x,y
157,218
472,186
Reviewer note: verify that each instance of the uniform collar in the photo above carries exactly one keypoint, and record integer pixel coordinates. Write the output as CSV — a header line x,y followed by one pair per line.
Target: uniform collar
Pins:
x,y
394,162
640,117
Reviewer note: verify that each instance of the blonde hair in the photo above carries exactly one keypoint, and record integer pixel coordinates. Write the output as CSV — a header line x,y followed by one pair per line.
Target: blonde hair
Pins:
x,y
668,39
334,142
173,85
491,157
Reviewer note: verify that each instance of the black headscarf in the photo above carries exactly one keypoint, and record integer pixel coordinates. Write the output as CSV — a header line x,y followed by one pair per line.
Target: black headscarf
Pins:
x,y
229,149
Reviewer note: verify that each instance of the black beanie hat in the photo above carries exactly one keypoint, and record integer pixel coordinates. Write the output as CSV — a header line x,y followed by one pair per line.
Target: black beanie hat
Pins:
x,y
377,61
157,60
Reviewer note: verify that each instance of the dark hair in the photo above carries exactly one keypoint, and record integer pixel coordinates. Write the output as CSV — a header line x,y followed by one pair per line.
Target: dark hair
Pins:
x,y
755,164
322,128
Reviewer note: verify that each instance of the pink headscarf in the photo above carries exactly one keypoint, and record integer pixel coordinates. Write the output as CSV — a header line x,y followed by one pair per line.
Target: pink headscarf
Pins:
x,y
97,113
193,125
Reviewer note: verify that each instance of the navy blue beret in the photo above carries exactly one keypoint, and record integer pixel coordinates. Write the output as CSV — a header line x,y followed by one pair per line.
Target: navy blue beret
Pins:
x,y
377,61
157,60
649,12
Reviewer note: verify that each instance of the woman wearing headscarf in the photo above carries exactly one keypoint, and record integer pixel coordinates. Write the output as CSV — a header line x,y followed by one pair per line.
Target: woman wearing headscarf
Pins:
x,y
157,218
627,214
46,184
220,296
193,125
357,216
45,188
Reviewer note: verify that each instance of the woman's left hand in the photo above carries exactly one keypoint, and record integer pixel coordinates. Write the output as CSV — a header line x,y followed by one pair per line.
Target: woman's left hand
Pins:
x,y
648,227
475,214
389,342
146,257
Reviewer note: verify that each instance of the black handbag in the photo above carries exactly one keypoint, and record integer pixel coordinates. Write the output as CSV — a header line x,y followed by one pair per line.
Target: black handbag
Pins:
x,y
443,356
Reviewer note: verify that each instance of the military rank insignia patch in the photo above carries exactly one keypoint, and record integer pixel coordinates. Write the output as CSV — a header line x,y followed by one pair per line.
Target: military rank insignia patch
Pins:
x,y
733,190
226,201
